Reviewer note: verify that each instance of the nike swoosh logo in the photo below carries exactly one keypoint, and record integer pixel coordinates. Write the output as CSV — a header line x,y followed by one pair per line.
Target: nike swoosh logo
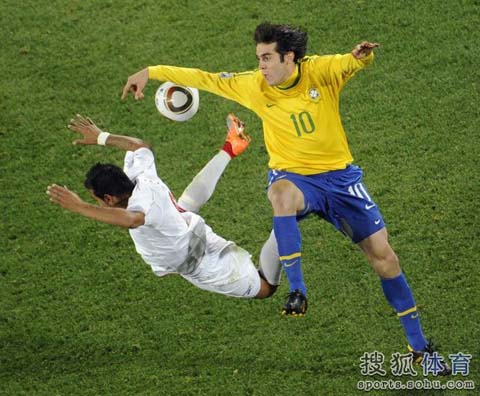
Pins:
x,y
287,265
377,221
369,206
270,104
414,316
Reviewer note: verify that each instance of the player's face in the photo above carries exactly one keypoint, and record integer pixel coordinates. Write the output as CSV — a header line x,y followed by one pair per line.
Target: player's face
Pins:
x,y
273,69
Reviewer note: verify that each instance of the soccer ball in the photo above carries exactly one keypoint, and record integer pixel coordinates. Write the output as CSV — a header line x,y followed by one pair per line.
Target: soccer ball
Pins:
x,y
176,102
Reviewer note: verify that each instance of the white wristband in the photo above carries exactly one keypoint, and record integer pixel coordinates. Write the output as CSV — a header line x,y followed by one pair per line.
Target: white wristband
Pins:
x,y
102,138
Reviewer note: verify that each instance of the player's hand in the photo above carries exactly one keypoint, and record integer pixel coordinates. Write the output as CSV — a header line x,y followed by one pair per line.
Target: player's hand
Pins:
x,y
135,84
65,198
364,49
86,127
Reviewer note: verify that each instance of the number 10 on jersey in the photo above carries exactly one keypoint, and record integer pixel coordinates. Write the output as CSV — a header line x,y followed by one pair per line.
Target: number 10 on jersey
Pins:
x,y
303,123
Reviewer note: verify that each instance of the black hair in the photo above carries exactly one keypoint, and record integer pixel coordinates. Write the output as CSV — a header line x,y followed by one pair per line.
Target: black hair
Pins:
x,y
108,179
288,38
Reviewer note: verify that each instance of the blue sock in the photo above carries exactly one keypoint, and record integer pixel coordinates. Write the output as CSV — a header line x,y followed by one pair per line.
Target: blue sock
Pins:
x,y
289,243
398,294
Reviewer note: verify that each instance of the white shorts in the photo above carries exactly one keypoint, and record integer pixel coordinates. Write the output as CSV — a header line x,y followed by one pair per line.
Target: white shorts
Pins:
x,y
230,272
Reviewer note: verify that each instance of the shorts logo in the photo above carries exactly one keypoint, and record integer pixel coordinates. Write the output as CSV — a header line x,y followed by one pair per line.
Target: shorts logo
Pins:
x,y
249,290
226,75
369,206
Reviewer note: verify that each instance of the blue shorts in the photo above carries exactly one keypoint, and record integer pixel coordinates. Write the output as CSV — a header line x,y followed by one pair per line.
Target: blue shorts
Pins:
x,y
339,197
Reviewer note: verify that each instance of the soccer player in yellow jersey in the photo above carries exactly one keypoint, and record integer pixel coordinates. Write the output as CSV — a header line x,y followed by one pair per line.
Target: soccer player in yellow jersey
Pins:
x,y
311,170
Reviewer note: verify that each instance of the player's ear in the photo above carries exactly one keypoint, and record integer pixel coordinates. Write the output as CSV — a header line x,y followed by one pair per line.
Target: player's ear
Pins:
x,y
110,200
290,56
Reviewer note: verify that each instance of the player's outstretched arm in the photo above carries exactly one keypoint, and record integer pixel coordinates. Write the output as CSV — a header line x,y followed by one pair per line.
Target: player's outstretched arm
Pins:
x,y
92,134
69,200
364,49
135,84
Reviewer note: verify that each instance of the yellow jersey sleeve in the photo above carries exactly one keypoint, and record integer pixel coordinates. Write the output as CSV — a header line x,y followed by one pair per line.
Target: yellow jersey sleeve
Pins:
x,y
233,86
336,70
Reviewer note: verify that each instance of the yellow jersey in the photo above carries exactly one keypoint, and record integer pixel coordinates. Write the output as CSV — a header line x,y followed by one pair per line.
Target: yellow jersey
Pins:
x,y
302,128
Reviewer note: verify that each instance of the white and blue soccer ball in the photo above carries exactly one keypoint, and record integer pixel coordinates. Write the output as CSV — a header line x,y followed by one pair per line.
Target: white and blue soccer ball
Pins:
x,y
175,102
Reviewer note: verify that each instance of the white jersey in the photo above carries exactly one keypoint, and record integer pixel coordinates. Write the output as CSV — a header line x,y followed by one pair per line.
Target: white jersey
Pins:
x,y
181,243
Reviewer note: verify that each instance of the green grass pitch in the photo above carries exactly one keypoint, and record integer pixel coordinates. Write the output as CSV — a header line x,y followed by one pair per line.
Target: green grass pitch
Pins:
x,y
81,314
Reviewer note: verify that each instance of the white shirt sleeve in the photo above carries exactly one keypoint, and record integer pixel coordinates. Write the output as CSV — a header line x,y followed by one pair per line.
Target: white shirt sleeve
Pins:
x,y
139,162
139,166
142,200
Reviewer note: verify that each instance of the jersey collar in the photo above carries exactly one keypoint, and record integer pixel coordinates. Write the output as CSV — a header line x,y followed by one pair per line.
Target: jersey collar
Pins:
x,y
292,80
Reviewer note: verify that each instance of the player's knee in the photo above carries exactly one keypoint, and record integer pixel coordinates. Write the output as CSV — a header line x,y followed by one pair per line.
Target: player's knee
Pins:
x,y
271,290
266,290
285,198
387,264
278,197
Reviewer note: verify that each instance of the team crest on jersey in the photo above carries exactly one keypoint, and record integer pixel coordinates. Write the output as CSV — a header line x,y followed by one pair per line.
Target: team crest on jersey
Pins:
x,y
314,94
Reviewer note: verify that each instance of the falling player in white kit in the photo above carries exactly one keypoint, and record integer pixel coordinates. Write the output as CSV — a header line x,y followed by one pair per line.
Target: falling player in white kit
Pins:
x,y
170,236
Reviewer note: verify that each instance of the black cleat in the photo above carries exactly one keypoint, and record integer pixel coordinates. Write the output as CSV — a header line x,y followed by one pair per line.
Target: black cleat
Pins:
x,y
417,357
296,304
